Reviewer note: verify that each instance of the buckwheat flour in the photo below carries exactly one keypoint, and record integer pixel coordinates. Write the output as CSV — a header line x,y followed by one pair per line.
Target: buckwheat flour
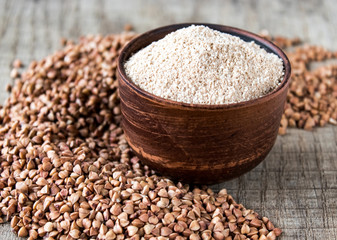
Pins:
x,y
204,66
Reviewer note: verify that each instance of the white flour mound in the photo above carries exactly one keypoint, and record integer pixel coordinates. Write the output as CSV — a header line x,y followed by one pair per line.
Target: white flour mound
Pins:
x,y
203,66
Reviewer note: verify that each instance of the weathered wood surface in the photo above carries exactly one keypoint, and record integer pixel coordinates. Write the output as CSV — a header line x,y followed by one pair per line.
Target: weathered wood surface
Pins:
x,y
296,186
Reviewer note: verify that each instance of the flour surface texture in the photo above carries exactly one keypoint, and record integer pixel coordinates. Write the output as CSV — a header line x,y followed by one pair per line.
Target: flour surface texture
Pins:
x,y
200,65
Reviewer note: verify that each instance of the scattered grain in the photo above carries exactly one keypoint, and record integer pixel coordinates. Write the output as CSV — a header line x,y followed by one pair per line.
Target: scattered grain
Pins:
x,y
312,96
67,172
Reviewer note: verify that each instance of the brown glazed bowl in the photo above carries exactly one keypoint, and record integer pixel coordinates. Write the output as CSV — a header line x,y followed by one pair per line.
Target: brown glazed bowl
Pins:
x,y
199,143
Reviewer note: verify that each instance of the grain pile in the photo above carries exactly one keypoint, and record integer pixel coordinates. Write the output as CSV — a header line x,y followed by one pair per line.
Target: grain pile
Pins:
x,y
67,171
312,96
200,65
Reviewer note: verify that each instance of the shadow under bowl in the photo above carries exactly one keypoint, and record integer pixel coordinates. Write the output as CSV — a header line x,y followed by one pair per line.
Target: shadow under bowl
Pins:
x,y
197,143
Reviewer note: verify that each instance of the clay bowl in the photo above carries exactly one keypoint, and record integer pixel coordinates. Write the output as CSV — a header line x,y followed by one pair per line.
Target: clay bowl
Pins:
x,y
199,143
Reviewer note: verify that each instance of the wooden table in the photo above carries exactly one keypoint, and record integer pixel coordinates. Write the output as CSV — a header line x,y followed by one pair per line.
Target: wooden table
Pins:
x,y
296,186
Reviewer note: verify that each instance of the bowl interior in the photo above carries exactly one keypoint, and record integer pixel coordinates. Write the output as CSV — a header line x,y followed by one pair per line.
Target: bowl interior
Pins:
x,y
154,35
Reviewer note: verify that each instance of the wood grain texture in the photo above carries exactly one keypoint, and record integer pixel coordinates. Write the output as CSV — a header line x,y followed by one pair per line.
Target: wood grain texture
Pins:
x,y
198,143
296,186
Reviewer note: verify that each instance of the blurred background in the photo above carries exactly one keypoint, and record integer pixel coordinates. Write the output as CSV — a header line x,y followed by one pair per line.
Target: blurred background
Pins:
x,y
295,189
